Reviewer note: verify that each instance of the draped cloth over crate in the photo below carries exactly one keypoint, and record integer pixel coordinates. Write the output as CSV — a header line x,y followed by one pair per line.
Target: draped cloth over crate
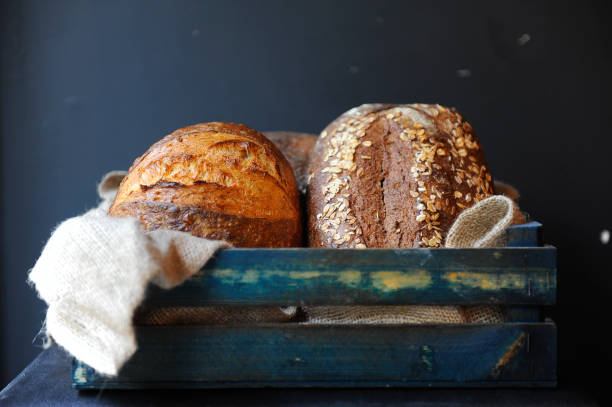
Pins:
x,y
94,270
93,273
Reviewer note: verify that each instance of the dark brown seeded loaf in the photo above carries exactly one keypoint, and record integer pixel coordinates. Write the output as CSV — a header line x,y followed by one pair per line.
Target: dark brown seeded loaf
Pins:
x,y
393,176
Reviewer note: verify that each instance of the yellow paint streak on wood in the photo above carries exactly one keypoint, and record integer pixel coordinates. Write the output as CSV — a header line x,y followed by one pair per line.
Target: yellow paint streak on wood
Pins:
x,y
250,276
224,273
349,277
229,276
80,375
397,280
304,274
485,281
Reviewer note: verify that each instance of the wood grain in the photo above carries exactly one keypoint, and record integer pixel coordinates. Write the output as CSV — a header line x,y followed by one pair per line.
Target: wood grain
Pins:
x,y
524,235
332,355
368,277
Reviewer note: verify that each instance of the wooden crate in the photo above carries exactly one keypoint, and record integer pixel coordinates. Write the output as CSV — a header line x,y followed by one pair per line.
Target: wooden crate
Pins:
x,y
520,352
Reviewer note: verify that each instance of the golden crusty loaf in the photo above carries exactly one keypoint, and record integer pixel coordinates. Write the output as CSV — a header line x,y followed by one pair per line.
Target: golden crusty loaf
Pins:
x,y
215,180
296,147
393,176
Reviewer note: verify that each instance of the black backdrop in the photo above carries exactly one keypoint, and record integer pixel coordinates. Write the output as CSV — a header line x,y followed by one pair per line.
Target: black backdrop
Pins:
x,y
89,85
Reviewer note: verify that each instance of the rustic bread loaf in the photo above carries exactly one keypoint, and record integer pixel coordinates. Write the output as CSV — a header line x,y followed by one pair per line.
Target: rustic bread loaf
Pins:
x,y
216,180
393,176
296,147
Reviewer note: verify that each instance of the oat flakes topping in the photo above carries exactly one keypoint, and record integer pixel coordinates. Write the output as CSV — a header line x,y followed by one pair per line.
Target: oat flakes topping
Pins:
x,y
341,144
448,144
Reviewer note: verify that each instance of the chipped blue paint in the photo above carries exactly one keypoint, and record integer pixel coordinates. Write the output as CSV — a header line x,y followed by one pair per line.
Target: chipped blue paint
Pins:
x,y
304,356
369,277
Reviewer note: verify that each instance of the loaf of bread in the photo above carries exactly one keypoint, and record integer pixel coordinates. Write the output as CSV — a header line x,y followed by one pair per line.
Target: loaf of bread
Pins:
x,y
215,180
296,147
393,176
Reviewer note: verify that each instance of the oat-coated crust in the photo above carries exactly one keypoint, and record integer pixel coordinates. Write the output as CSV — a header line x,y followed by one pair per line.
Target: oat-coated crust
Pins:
x,y
393,176
216,180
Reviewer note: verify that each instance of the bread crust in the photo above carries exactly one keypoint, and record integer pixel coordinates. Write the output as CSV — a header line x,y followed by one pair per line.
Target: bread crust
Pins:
x,y
297,148
215,180
393,176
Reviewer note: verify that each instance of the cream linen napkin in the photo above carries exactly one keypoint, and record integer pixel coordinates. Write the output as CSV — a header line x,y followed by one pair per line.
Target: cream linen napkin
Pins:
x,y
93,273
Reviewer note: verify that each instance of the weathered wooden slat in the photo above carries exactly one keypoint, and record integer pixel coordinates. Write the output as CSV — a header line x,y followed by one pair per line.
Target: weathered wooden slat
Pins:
x,y
522,313
368,277
524,235
322,384
335,355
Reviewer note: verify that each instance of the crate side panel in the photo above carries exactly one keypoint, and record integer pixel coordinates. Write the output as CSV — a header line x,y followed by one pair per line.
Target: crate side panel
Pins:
x,y
346,355
524,235
368,277
522,313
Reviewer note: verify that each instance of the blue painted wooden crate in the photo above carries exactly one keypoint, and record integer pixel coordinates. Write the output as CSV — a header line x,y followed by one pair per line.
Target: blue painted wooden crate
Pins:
x,y
520,352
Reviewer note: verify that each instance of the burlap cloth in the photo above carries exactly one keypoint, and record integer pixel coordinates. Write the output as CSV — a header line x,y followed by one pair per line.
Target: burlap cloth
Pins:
x,y
94,270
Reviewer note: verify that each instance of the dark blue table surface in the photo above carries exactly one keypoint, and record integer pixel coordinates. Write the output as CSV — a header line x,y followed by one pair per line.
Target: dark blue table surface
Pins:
x,y
46,382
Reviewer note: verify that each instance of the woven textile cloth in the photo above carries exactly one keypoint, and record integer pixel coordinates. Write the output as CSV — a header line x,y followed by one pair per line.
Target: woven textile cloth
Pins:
x,y
93,273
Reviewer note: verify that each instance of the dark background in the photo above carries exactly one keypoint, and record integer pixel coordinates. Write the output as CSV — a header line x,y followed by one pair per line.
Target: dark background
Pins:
x,y
88,85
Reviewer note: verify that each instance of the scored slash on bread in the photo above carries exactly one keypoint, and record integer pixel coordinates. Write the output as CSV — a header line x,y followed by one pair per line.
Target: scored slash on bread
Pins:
x,y
393,176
